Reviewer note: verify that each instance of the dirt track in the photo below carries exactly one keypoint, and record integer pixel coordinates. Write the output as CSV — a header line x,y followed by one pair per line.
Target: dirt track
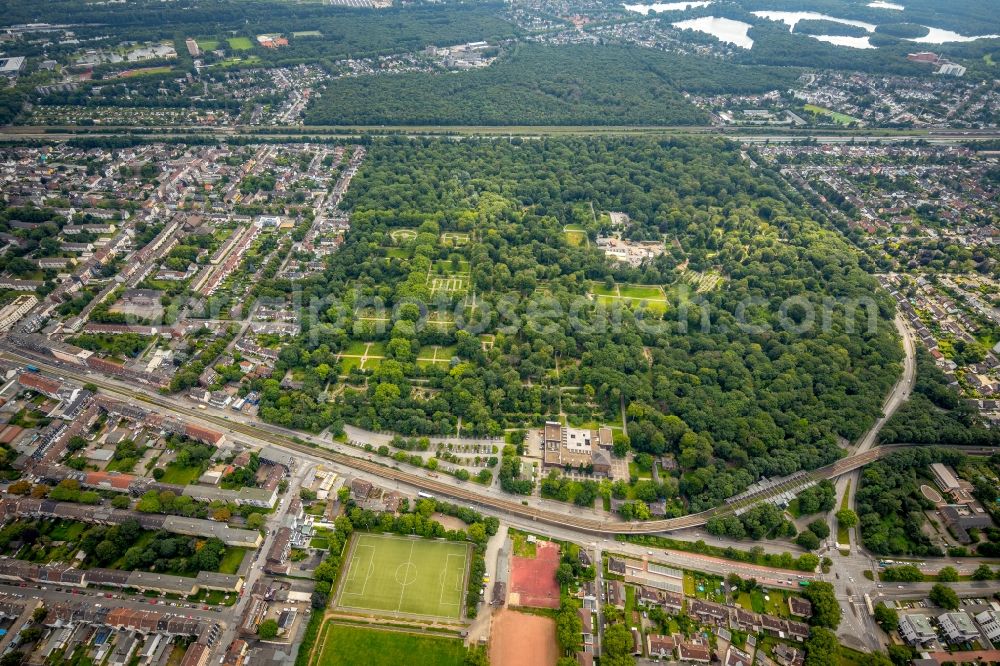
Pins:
x,y
519,639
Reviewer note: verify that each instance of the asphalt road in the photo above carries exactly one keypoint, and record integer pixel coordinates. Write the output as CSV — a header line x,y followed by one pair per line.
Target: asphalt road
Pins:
x,y
117,600
858,629
557,514
297,132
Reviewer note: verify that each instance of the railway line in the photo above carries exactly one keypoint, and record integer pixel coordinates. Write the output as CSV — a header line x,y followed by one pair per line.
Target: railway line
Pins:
x,y
306,132
274,436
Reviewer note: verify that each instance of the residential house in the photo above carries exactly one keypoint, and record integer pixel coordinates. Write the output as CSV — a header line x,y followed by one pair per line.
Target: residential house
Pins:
x,y
660,647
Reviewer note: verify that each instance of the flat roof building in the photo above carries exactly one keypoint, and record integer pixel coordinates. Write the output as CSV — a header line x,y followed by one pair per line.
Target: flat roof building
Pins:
x,y
916,629
577,448
11,66
958,627
244,496
989,622
945,478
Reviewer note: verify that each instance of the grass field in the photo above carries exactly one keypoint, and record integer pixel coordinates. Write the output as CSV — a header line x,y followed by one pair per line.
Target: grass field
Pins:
x,y
446,267
402,235
144,71
182,476
232,560
600,289
355,348
844,533
840,118
340,644
66,530
575,235
208,44
640,291
655,307
649,297
238,62
240,43
405,575
124,465
523,547
431,354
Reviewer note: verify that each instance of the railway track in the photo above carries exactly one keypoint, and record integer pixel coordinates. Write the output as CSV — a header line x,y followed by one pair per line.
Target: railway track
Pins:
x,y
513,507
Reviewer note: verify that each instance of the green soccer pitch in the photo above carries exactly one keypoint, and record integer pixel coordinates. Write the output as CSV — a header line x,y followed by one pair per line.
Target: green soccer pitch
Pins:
x,y
405,575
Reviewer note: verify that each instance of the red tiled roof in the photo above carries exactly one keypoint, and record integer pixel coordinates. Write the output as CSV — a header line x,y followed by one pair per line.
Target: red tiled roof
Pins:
x,y
10,433
119,481
39,383
202,434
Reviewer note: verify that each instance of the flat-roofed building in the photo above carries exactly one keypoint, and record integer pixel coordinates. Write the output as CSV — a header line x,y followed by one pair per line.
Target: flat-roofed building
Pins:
x,y
231,536
958,627
960,518
989,622
945,478
577,448
11,66
12,313
244,496
916,629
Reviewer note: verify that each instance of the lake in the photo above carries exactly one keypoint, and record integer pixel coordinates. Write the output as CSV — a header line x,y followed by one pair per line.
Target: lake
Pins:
x,y
791,18
667,6
723,29
939,36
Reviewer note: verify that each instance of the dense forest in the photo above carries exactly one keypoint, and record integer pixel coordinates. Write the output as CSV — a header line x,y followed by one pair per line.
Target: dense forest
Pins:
x,y
935,414
776,45
890,506
731,402
960,14
345,32
547,85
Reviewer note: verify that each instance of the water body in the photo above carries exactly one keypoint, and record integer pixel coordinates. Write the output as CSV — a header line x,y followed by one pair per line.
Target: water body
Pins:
x,y
840,40
882,4
792,18
667,6
939,36
723,29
